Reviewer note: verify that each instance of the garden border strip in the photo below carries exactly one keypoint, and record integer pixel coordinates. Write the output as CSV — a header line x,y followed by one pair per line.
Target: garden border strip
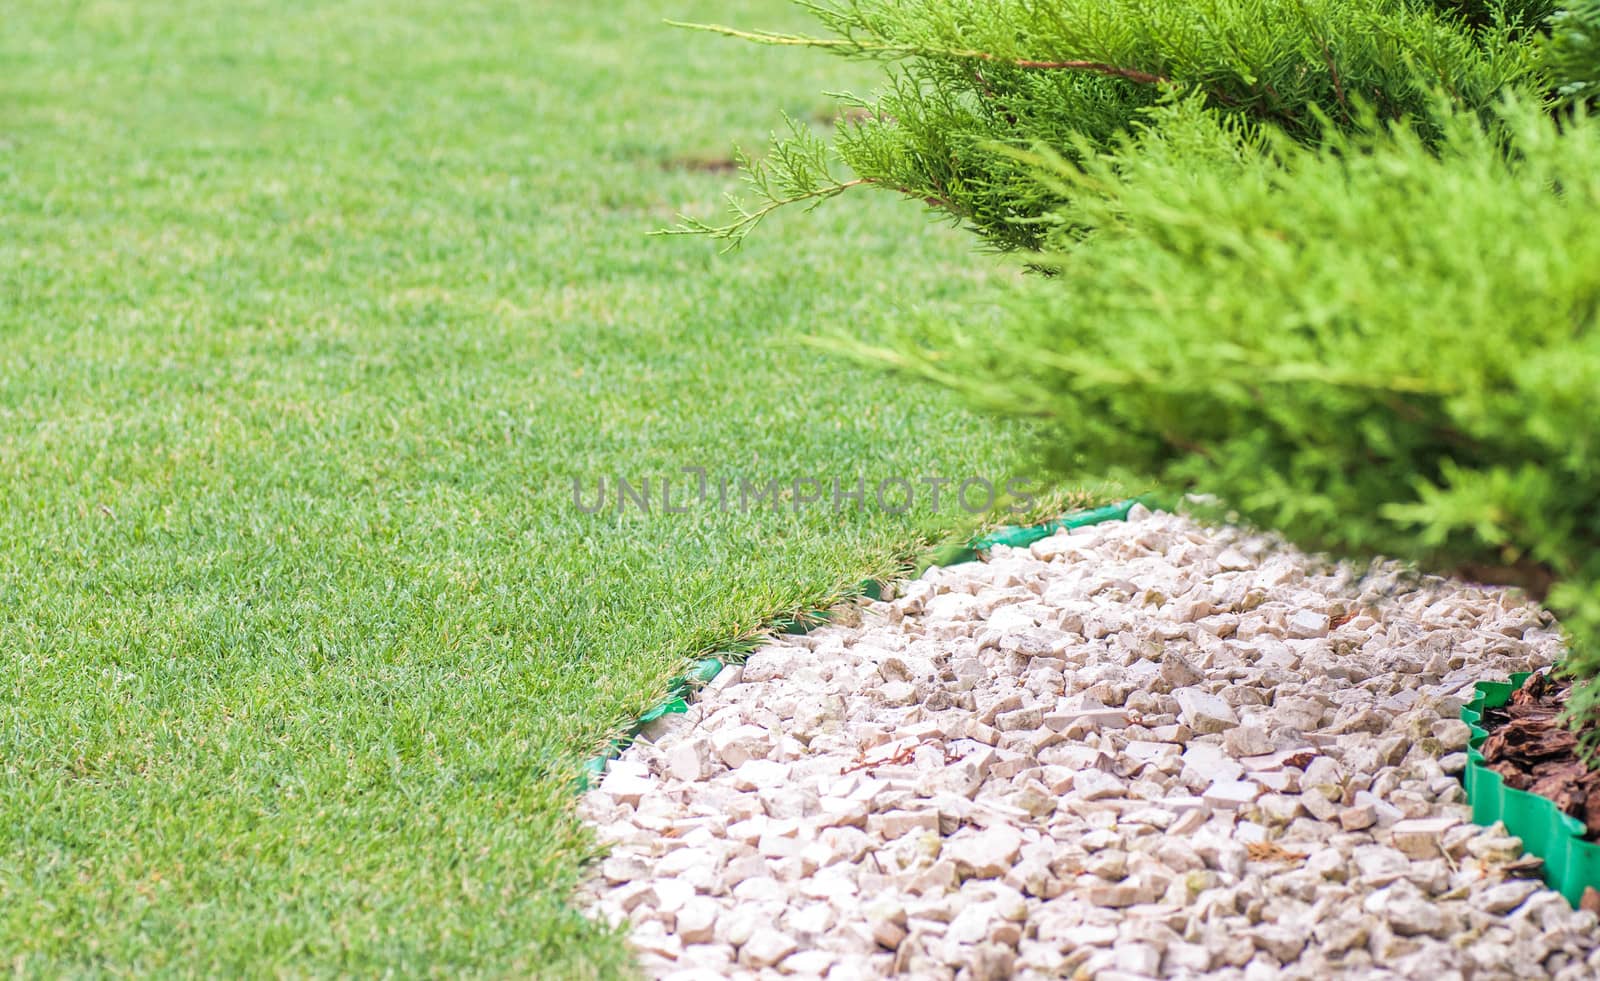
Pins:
x,y
1571,864
680,690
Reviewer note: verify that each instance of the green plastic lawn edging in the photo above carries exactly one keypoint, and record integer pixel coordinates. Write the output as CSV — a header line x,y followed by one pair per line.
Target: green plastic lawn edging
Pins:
x,y
682,688
1571,864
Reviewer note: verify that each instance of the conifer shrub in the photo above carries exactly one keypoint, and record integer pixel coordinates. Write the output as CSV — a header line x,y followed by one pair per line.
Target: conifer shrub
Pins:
x,y
966,78
1384,343
1333,263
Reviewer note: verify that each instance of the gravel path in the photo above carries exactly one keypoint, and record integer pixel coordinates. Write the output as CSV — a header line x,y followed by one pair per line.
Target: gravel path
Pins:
x,y
1140,749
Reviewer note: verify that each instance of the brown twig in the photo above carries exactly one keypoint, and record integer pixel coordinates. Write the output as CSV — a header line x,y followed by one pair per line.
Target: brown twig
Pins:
x,y
1100,67
935,202
1333,72
989,93
1188,446
1271,851
901,757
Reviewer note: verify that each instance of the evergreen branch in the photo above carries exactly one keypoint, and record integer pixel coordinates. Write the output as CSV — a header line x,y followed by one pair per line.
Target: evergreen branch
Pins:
x,y
1338,84
769,37
1321,37
745,221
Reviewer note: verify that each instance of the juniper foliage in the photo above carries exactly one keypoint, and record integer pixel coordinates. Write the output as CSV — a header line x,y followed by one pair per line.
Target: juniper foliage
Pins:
x,y
1331,262
1570,55
967,78
1383,344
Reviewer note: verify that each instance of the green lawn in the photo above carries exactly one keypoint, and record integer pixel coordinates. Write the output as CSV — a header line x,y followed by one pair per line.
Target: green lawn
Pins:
x,y
309,312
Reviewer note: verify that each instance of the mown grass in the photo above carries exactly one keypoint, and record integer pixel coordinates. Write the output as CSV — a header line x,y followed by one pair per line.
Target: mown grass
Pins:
x,y
309,312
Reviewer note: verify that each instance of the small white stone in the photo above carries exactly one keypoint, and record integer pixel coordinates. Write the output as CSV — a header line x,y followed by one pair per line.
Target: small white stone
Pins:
x,y
1140,959
765,948
672,894
971,925
897,824
689,759
816,918
1308,624
623,868
897,693
1110,864
1232,794
770,663
986,854
760,889
1298,712
1358,817
1411,916
1420,838
1247,740
1177,672
1233,560
1506,896
1188,957
1208,762
1452,734
1097,785
808,964
1379,865
740,744
758,774
635,895
1019,719
1118,895
1098,717
1323,776
660,945
1068,934
697,920
1203,711
888,934
627,788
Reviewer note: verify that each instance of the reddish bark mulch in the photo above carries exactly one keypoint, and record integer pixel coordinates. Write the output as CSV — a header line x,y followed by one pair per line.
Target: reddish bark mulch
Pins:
x,y
1533,750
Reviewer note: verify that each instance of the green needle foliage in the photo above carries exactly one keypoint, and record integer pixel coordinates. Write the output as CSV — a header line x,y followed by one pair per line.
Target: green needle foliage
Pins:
x,y
968,78
1571,53
1385,344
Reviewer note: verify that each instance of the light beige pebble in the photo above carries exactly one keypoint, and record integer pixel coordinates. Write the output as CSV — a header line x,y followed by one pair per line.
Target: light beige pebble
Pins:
x,y
1231,794
985,854
1203,711
766,947
696,921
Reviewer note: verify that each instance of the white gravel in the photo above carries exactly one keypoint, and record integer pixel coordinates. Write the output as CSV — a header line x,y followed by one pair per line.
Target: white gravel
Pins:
x,y
1140,749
